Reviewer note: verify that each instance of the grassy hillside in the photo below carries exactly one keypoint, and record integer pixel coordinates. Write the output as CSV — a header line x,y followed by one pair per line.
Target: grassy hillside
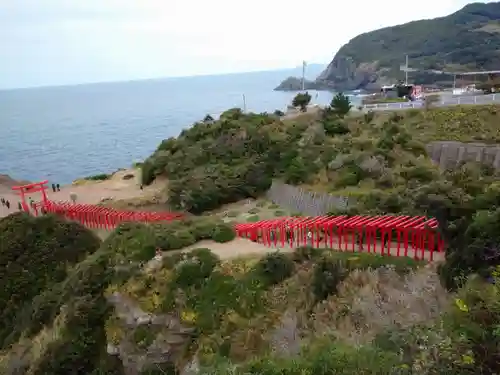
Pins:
x,y
67,299
237,157
52,277
465,40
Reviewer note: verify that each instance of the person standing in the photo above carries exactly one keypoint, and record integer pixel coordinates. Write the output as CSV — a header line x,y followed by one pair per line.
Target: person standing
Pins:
x,y
53,188
58,187
20,206
7,203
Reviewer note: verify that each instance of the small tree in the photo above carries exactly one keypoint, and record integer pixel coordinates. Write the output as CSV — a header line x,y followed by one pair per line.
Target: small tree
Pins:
x,y
208,118
302,99
341,105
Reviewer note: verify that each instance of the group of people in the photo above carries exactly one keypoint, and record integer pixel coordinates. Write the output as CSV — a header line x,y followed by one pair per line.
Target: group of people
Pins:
x,y
6,203
56,187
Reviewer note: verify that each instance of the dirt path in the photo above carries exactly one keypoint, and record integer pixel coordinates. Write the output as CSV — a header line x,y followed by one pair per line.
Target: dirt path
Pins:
x,y
241,247
91,192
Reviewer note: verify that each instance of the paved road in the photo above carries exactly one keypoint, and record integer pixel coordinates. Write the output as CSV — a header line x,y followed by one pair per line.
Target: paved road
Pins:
x,y
446,101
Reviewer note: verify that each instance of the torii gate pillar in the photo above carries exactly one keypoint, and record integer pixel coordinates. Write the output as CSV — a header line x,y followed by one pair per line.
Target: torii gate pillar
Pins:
x,y
32,188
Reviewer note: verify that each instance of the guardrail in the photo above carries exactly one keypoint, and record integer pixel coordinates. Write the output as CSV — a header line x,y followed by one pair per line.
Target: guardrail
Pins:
x,y
444,102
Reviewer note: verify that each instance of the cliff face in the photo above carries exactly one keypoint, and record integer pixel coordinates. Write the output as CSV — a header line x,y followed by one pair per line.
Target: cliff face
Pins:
x,y
467,40
343,73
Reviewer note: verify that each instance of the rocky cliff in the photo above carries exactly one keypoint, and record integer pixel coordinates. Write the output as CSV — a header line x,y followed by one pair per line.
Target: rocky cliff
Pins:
x,y
463,41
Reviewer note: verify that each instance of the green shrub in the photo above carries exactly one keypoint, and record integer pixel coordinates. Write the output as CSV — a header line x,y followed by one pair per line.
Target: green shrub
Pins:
x,y
203,229
340,105
253,218
34,255
328,274
223,233
306,253
326,359
335,127
254,211
148,173
177,240
132,242
301,100
143,336
170,261
98,177
275,268
195,269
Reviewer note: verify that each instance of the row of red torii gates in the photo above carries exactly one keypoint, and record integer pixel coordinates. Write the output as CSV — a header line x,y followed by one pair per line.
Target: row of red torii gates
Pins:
x,y
386,235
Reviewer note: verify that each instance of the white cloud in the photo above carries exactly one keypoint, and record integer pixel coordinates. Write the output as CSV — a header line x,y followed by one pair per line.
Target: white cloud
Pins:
x,y
62,41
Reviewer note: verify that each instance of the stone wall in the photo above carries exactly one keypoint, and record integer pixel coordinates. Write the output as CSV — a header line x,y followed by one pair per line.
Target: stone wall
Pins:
x,y
449,154
309,203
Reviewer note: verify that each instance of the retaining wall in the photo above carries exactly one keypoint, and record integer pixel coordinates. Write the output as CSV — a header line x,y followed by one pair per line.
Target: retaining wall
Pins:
x,y
309,203
449,154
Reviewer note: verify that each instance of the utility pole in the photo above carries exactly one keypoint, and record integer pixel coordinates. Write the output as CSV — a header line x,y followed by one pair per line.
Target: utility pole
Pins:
x,y
406,71
303,75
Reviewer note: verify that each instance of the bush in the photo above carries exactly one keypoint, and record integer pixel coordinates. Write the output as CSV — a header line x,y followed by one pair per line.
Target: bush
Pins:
x,y
132,242
328,274
335,127
148,174
325,359
275,268
98,177
341,105
34,255
306,253
197,266
302,100
476,318
223,233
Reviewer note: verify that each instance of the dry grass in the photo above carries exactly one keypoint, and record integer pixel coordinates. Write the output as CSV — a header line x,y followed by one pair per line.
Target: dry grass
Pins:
x,y
26,353
371,302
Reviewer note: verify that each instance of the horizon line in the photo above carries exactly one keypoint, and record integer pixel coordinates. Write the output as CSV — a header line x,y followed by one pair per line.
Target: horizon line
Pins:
x,y
152,78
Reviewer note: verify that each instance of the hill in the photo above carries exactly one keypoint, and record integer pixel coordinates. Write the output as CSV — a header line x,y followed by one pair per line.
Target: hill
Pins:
x,y
75,305
467,40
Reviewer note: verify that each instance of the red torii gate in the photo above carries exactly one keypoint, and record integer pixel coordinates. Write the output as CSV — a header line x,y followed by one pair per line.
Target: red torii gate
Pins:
x,y
341,231
30,189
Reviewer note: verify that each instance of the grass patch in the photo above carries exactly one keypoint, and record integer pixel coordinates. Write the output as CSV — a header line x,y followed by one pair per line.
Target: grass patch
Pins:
x,y
365,261
253,219
98,177
279,213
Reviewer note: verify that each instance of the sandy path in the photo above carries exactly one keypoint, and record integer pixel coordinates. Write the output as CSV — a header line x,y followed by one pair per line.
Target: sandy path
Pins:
x,y
91,192
241,247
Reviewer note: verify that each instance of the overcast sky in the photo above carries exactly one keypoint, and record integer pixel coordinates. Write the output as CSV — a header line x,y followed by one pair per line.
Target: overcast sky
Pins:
x,y
55,42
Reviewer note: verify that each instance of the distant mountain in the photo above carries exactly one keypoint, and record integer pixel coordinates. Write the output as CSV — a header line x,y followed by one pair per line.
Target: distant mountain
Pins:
x,y
463,41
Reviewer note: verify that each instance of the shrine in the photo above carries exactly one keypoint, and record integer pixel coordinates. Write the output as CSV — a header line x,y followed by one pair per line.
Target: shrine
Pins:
x,y
29,189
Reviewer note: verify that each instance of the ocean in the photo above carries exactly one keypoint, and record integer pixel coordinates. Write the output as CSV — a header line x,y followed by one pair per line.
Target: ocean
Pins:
x,y
68,132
